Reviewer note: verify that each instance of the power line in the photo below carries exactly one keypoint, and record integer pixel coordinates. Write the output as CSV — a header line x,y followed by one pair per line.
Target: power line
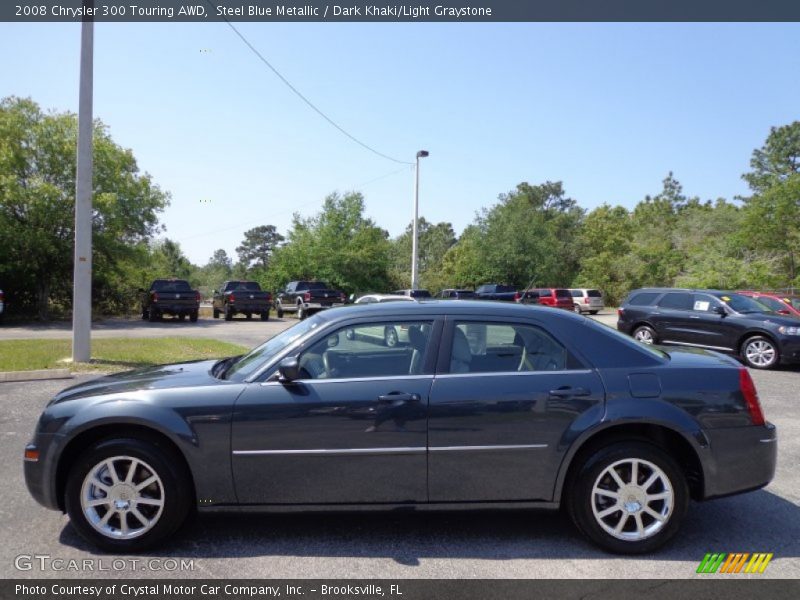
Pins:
x,y
306,100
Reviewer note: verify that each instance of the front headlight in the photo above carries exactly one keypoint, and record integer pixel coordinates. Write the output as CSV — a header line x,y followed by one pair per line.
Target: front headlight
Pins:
x,y
793,330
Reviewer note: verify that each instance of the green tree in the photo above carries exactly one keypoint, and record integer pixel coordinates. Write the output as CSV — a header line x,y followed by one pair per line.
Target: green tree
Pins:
x,y
258,246
777,160
37,200
434,242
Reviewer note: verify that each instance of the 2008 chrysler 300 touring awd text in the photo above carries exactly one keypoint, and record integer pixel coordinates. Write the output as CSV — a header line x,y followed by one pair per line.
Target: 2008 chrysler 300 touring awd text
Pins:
x,y
481,405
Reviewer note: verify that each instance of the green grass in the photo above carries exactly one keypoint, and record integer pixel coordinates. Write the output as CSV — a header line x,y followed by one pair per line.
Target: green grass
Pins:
x,y
111,354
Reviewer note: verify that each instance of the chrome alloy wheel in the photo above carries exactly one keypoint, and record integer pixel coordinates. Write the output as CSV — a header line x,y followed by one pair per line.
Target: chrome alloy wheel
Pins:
x,y
643,335
632,499
760,353
122,497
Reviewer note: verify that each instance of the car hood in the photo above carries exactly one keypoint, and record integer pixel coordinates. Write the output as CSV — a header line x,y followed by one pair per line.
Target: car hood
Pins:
x,y
195,373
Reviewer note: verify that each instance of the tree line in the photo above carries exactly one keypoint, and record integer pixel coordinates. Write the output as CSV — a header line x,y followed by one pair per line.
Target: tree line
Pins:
x,y
535,234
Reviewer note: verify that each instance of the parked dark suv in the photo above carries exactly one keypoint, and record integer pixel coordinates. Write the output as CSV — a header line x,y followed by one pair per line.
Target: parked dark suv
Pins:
x,y
713,319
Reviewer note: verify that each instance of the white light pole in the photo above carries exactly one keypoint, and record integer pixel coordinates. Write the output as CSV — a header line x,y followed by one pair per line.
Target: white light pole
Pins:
x,y
414,228
82,272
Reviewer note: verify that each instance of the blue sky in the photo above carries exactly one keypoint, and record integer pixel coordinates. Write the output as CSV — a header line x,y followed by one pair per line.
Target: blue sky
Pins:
x,y
608,109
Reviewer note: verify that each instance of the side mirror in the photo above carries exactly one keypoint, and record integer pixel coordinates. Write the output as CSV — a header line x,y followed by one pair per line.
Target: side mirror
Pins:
x,y
289,369
333,340
720,310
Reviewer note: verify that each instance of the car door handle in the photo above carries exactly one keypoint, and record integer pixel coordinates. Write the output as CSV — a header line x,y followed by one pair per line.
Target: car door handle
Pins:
x,y
398,398
569,392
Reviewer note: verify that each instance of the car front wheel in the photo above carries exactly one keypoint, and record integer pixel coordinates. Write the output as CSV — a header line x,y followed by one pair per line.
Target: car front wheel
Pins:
x,y
126,495
760,352
576,308
644,334
629,498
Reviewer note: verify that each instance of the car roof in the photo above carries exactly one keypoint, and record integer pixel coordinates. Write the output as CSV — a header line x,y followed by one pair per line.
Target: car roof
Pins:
x,y
691,290
444,307
380,297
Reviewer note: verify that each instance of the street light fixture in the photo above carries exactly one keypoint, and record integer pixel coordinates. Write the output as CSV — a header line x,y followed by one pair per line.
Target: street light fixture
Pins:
x,y
414,225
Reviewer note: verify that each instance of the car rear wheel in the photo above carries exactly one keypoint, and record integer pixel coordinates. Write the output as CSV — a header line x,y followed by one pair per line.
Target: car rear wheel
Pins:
x,y
645,334
576,308
278,311
228,313
193,316
216,313
301,312
153,316
390,337
760,352
248,316
126,495
265,315
628,498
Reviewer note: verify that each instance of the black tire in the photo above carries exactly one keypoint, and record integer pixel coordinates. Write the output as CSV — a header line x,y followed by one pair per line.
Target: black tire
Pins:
x,y
215,313
390,337
176,493
193,316
577,309
265,315
593,312
182,317
301,312
145,314
645,334
228,313
248,316
760,352
278,311
581,503
153,316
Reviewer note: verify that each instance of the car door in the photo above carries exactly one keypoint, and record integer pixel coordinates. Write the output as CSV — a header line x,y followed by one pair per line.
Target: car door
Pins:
x,y
504,396
671,317
712,329
351,429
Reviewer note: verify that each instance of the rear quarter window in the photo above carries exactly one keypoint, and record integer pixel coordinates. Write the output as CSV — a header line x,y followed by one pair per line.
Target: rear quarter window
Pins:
x,y
643,298
594,294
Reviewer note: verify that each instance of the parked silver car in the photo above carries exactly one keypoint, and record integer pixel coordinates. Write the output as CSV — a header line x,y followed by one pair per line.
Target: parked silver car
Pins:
x,y
587,300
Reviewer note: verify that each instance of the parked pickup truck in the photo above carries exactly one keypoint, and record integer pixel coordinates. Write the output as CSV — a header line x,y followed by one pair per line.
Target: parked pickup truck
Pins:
x,y
243,297
305,297
170,297
495,291
2,305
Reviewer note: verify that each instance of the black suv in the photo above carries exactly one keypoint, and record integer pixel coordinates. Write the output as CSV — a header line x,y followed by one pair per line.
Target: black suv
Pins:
x,y
711,319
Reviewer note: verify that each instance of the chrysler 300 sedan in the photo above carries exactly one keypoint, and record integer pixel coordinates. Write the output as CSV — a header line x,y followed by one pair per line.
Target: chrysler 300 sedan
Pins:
x,y
482,405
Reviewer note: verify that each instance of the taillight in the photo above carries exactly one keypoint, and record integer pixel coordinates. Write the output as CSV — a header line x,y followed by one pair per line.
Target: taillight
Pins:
x,y
155,296
2,296
748,389
620,312
197,296
342,298
517,297
307,296
586,300
231,298
269,297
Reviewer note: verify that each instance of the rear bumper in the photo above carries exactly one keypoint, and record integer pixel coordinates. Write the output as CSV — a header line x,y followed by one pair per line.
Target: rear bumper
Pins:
x,y
175,309
252,307
740,459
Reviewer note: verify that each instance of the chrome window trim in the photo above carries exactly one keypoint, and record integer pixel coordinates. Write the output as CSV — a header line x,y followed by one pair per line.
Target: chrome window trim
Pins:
x,y
355,379
723,348
514,373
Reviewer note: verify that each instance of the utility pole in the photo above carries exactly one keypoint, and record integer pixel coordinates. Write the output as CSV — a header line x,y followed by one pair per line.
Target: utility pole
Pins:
x,y
82,273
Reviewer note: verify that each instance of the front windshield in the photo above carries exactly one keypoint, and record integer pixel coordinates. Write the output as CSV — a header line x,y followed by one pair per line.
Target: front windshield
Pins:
x,y
253,360
743,304
795,302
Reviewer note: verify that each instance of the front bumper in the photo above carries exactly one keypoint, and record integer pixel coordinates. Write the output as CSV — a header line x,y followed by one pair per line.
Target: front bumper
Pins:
x,y
740,459
789,346
40,475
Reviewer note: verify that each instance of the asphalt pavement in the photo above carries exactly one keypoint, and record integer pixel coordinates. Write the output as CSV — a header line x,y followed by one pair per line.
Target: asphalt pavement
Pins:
x,y
498,544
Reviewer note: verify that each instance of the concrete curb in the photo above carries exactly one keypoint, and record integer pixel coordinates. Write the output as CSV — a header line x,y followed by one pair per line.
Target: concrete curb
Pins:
x,y
8,376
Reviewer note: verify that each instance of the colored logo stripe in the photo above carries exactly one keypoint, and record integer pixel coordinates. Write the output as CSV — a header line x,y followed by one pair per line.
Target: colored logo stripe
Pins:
x,y
735,562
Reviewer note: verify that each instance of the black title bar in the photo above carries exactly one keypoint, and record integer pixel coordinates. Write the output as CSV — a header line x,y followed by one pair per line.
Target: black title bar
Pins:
x,y
395,11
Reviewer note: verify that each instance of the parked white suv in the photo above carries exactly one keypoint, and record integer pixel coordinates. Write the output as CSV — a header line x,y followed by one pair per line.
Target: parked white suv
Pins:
x,y
586,300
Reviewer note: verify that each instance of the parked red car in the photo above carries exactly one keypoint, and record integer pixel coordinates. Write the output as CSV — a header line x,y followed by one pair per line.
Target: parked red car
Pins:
x,y
782,304
558,297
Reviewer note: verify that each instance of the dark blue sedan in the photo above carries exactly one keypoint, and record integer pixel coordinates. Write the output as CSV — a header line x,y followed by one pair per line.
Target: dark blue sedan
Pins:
x,y
480,405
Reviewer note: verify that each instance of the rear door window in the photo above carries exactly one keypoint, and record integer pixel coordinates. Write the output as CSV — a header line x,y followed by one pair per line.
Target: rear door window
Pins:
x,y
676,301
563,294
643,299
